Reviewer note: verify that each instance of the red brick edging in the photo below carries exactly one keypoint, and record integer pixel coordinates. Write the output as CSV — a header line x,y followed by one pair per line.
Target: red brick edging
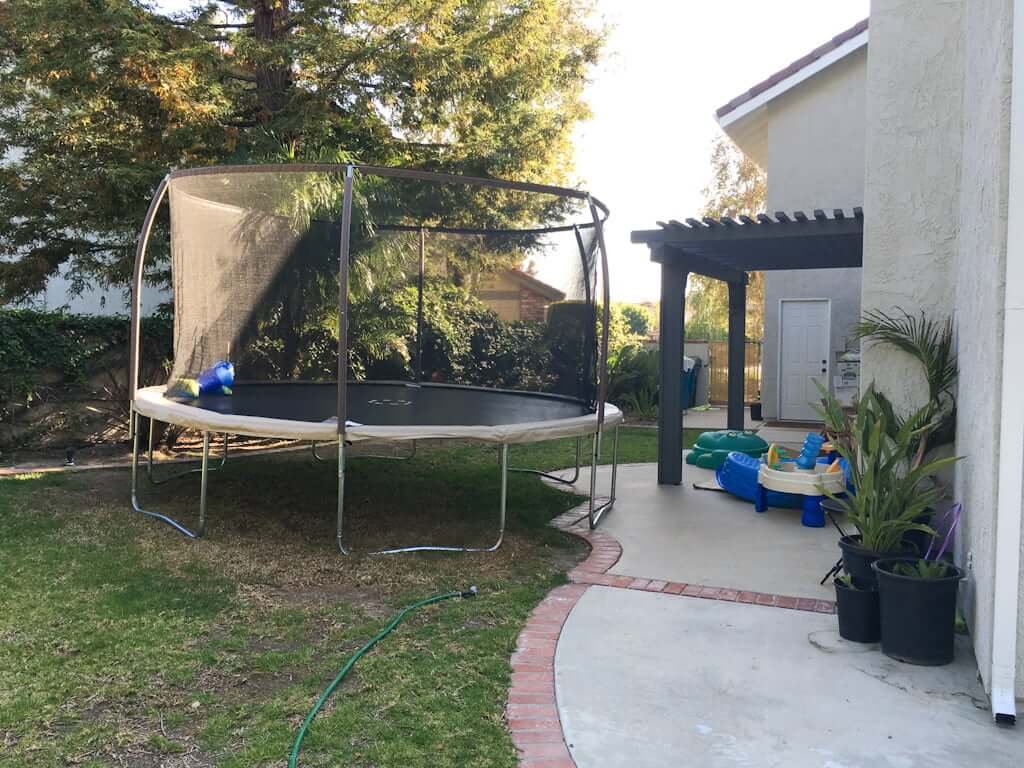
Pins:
x,y
532,711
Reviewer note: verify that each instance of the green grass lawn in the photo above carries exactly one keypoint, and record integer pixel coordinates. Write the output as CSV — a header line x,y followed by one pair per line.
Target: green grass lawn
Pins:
x,y
123,643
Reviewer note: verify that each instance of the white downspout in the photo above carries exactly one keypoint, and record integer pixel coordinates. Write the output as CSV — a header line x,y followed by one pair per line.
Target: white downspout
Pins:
x,y
1010,499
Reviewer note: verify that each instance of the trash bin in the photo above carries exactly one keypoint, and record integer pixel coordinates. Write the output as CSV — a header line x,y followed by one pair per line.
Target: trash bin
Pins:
x,y
691,372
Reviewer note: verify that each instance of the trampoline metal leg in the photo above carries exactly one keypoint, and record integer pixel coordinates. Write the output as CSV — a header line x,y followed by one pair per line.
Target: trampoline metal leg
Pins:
x,y
339,533
502,513
595,512
149,462
204,474
556,478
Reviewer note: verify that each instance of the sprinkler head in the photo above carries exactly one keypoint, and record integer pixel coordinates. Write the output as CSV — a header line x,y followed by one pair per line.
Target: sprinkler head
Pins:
x,y
471,592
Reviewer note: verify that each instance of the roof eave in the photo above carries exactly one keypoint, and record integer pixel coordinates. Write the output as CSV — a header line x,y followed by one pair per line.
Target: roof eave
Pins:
x,y
744,105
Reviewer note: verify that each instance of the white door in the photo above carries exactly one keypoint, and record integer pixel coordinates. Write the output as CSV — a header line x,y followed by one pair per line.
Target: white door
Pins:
x,y
803,355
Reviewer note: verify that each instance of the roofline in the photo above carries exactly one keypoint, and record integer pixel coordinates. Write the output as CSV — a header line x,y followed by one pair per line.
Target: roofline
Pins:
x,y
822,57
547,291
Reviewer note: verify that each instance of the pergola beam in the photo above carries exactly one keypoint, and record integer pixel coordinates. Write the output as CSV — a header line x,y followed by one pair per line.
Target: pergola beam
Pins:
x,y
702,266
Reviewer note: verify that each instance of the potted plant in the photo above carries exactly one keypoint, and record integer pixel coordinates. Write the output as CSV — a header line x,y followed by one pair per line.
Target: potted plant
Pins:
x,y
857,608
917,604
890,478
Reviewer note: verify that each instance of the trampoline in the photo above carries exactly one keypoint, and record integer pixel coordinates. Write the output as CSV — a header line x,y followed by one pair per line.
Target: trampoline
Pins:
x,y
249,275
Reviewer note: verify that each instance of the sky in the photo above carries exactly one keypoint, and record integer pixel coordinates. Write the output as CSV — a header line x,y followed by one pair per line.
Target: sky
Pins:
x,y
667,66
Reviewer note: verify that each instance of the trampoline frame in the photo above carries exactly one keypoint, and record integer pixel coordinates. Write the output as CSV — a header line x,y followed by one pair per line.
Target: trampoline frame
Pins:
x,y
598,212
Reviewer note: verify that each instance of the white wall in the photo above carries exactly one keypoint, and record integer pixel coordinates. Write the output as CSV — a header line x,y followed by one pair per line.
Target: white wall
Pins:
x,y
979,300
59,295
815,159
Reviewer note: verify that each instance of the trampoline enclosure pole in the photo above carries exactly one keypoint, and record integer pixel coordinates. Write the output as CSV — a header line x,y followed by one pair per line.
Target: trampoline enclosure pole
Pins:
x,y
419,306
339,535
346,226
602,371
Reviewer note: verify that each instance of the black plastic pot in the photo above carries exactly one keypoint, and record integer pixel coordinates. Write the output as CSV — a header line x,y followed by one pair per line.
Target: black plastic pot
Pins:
x,y
919,540
858,611
755,411
857,560
917,615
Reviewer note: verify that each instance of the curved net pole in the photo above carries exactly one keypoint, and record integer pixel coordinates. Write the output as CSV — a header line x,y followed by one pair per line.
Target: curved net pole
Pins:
x,y
134,364
595,512
134,367
343,263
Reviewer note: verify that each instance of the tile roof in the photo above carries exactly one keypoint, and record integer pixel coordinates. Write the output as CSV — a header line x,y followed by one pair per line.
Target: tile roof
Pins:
x,y
793,68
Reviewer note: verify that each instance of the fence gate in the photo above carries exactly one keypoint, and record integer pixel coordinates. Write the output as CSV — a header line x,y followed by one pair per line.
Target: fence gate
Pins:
x,y
718,375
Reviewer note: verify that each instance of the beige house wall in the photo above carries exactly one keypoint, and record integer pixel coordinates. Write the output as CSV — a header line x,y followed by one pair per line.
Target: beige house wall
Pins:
x,y
814,159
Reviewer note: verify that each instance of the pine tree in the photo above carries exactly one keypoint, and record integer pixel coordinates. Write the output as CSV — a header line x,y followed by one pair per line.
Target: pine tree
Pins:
x,y
99,98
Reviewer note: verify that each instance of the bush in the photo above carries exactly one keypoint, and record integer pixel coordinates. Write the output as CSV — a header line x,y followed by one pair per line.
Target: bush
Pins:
x,y
464,342
633,380
68,362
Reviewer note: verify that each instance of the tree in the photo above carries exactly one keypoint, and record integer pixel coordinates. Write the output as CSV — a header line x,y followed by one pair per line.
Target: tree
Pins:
x,y
737,188
94,112
638,318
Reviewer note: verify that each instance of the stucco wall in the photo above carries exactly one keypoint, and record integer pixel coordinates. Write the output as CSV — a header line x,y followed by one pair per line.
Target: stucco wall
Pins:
x,y
815,159
980,282
935,235
912,172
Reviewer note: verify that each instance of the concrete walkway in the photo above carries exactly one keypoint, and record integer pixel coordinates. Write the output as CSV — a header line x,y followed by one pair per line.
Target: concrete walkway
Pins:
x,y
630,667
653,680
679,533
715,417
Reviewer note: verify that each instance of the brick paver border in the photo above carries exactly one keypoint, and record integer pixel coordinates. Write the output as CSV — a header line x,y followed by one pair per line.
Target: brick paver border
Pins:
x,y
532,712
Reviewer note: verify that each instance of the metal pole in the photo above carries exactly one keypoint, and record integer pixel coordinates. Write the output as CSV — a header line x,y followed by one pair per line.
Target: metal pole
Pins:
x,y
339,533
135,343
504,498
595,513
343,259
419,307
202,484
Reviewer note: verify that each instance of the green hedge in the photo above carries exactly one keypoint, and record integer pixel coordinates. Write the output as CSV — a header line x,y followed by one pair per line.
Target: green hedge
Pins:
x,y
43,353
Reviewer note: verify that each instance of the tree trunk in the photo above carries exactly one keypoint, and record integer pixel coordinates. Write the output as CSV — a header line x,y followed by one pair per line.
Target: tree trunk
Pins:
x,y
270,18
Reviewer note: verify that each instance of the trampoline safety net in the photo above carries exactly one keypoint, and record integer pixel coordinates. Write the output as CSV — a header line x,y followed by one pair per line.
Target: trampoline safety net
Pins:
x,y
446,280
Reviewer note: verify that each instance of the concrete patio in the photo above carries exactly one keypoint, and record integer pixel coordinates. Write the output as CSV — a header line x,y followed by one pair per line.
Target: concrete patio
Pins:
x,y
646,675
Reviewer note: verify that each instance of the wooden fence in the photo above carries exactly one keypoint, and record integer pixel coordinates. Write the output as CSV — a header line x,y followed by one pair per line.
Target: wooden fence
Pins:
x,y
718,375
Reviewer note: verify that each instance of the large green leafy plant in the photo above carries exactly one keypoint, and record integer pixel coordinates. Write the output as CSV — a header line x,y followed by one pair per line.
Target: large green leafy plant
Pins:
x,y
930,342
98,98
892,486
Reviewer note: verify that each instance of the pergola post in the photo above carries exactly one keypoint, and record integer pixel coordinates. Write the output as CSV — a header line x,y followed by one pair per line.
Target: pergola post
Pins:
x,y
670,397
737,353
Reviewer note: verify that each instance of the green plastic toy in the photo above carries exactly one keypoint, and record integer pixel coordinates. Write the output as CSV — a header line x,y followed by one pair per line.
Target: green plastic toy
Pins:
x,y
711,448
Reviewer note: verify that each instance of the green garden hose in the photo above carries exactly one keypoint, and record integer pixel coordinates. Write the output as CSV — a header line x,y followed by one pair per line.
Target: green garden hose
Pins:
x,y
293,759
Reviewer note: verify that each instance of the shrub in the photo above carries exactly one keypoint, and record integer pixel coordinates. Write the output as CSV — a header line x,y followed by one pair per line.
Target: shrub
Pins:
x,y
56,358
633,379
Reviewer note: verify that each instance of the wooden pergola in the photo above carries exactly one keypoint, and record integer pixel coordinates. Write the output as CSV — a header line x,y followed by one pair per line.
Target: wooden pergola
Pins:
x,y
725,249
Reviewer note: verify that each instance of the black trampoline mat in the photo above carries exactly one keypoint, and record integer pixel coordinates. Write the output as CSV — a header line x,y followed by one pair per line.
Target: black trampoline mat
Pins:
x,y
392,404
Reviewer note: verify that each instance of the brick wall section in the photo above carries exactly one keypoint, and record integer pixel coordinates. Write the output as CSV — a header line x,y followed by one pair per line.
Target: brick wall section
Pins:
x,y
532,711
